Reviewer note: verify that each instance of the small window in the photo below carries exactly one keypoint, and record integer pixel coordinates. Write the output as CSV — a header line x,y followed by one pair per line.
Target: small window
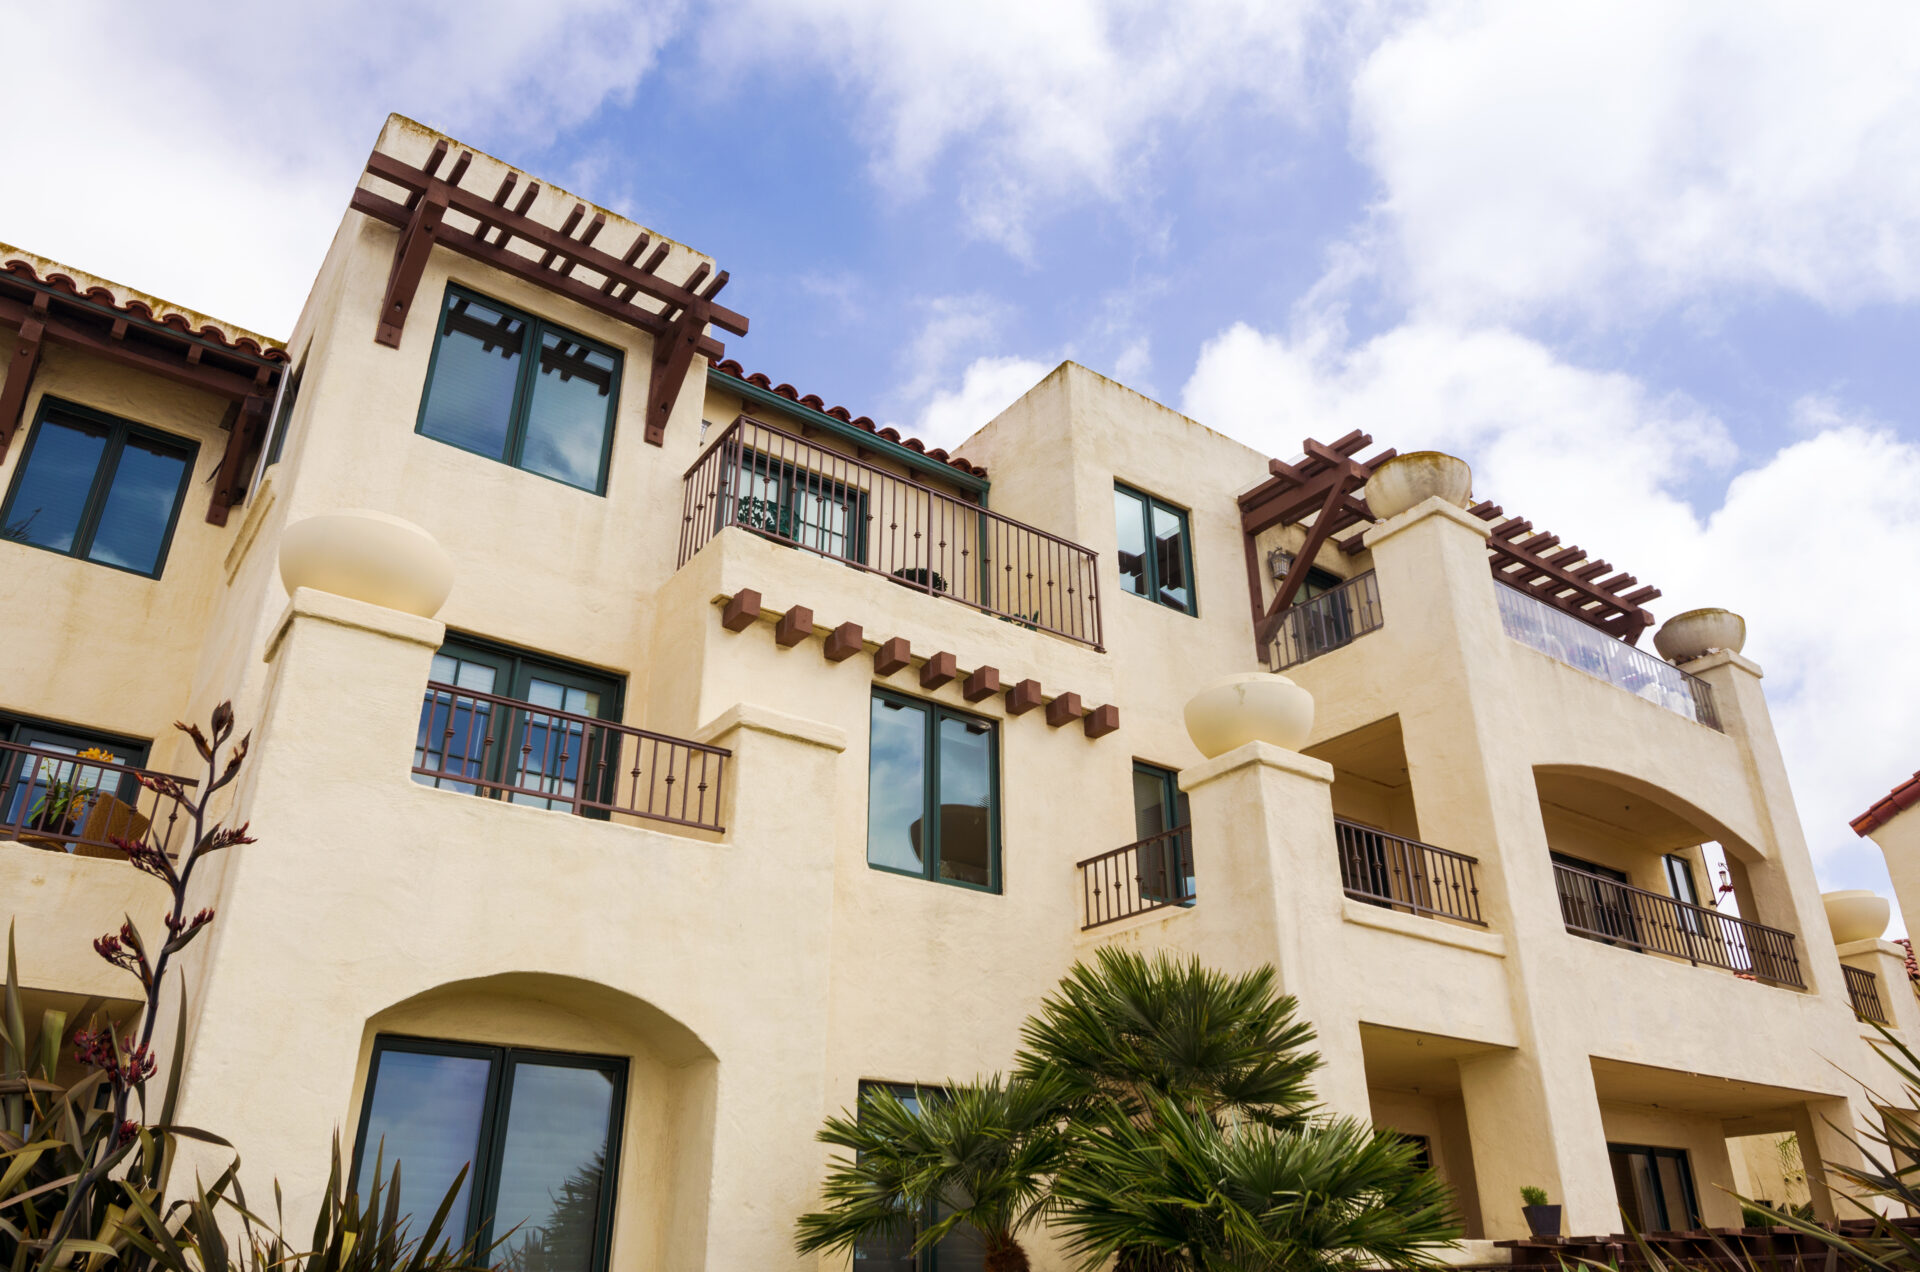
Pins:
x,y
1163,829
283,417
960,1251
41,792
520,390
99,488
1156,551
933,793
475,737
1680,880
1654,1187
540,1130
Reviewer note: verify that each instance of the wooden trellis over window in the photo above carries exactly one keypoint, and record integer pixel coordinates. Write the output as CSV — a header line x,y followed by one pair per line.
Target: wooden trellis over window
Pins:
x,y
498,231
54,310
1324,487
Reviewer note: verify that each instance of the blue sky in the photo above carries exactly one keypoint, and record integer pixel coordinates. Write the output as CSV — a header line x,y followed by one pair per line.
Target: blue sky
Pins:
x,y
1653,269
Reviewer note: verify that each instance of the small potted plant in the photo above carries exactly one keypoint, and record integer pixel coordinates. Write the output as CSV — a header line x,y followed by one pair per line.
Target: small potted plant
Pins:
x,y
1543,1220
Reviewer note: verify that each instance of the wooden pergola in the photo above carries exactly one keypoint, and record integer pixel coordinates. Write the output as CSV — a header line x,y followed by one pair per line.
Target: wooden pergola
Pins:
x,y
54,310
1322,491
435,211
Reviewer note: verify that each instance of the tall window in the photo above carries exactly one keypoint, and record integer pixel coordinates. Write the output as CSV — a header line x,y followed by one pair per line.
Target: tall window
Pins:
x,y
540,1129
468,741
99,488
520,390
42,792
1163,828
933,793
1680,879
1654,1187
283,417
1156,551
960,1251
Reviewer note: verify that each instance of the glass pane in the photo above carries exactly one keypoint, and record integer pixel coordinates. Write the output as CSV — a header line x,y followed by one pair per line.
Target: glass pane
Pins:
x,y
824,518
896,785
52,493
427,1110
1149,805
549,754
1130,524
454,730
475,370
553,1167
759,498
966,801
571,412
133,524
1170,558
1675,1191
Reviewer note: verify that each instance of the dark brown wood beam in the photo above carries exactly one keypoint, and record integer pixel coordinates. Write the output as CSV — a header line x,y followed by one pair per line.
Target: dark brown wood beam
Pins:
x,y
1023,697
742,611
410,262
938,670
794,626
20,369
673,352
982,684
1101,721
248,430
57,329
1064,710
843,642
892,657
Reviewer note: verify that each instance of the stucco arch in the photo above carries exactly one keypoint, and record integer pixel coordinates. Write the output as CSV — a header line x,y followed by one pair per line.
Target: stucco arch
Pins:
x,y
664,1169
1654,794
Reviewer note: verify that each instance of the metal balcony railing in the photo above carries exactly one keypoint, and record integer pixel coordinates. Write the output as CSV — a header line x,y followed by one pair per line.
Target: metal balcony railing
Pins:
x,y
1603,909
1405,874
504,748
1863,991
1336,617
55,799
789,490
1153,874
1558,634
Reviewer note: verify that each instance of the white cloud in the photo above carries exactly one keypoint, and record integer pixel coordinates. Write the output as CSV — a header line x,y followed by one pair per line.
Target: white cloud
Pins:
x,y
1802,543
988,387
209,161
1605,157
1033,104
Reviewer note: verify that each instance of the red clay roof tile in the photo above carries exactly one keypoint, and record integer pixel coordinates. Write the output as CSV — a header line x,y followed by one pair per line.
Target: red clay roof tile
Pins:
x,y
1902,797
814,401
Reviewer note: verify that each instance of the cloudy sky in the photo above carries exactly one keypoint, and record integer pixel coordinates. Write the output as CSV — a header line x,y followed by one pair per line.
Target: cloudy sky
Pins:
x,y
1653,269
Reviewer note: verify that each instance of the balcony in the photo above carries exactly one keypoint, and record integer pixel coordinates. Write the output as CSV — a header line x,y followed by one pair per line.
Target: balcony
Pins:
x,y
1151,875
503,748
1404,874
64,802
785,488
1321,624
1615,913
1863,991
1559,635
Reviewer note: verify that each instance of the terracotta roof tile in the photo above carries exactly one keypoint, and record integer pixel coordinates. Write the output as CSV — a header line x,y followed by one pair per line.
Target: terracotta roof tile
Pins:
x,y
1902,797
815,402
23,264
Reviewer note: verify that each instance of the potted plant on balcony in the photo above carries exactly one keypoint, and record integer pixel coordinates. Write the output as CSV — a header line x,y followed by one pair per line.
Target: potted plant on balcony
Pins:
x,y
1543,1220
65,797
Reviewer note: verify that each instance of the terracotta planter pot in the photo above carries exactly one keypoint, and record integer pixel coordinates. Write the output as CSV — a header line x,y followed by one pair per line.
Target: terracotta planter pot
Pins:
x,y
1256,706
1542,1221
1856,914
1687,636
368,556
1406,481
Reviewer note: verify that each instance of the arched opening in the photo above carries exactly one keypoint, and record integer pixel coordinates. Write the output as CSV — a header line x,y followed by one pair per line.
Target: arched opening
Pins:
x,y
585,1116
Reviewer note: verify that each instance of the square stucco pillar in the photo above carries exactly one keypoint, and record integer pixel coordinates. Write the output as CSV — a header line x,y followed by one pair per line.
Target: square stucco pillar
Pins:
x,y
1532,1113
1263,833
340,716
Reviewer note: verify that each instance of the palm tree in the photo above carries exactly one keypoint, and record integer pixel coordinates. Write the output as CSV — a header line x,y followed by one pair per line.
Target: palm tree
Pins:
x,y
1194,1141
977,1156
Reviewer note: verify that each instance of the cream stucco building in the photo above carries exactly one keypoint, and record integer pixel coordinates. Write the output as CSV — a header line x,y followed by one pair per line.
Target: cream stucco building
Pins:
x,y
756,754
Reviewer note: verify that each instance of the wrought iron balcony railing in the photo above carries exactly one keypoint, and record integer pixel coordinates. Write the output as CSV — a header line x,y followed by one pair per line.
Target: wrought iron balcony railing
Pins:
x,y
504,748
1321,624
1616,913
1405,874
55,799
1153,874
789,490
1863,991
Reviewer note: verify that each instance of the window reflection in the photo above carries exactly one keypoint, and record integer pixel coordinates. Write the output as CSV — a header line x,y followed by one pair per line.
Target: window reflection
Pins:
x,y
1155,551
932,792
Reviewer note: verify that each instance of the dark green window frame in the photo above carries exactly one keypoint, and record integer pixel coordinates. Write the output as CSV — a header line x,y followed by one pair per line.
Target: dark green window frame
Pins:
x,y
959,1250
119,430
1165,865
515,670
536,327
484,1175
1150,563
1621,1158
930,792
781,521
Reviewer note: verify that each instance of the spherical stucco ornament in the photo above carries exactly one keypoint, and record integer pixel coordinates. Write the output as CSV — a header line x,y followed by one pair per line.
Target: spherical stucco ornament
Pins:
x,y
368,556
1856,914
1406,481
1687,636
1257,706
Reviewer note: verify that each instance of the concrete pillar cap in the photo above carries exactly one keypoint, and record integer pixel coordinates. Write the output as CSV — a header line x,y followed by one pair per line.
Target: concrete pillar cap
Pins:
x,y
367,556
